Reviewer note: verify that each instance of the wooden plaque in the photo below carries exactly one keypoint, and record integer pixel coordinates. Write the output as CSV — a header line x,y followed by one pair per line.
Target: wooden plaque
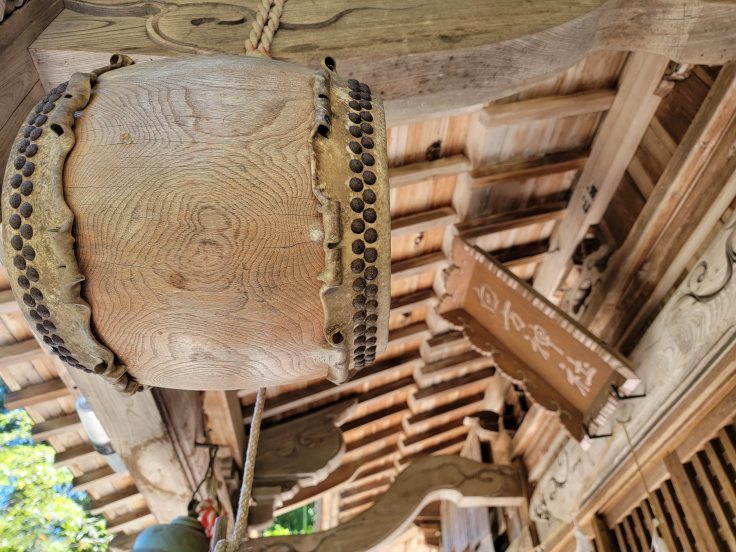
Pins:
x,y
560,364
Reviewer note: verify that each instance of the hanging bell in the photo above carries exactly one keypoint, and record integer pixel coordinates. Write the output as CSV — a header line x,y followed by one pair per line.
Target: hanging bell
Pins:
x,y
183,534
204,223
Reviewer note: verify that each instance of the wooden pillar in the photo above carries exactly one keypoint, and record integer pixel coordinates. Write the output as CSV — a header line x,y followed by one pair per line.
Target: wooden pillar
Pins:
x,y
138,432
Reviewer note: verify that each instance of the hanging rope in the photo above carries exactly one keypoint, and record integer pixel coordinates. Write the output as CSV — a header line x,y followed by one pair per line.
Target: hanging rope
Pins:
x,y
658,545
258,43
264,28
241,520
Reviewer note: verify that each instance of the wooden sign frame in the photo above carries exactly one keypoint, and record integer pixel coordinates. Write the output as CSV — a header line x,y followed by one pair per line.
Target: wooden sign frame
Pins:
x,y
560,364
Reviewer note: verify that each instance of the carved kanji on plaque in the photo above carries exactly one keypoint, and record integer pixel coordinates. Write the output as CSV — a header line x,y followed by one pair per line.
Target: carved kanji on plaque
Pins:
x,y
560,364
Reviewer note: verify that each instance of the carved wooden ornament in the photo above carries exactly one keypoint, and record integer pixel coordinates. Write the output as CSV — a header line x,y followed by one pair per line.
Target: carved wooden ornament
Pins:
x,y
560,364
427,479
294,455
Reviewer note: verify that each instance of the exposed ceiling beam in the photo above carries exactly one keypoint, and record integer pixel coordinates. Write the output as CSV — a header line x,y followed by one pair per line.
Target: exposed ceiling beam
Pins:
x,y
36,393
54,426
407,334
8,304
444,345
511,171
356,449
437,61
614,146
439,435
95,477
696,187
434,373
451,446
413,301
520,255
140,434
74,454
114,500
448,391
22,351
359,490
320,391
390,415
426,170
423,221
418,265
366,496
424,421
396,390
547,107
124,522
473,229
223,412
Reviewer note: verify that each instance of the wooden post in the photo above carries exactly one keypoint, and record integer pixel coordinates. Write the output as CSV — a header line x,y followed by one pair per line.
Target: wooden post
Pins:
x,y
225,421
137,431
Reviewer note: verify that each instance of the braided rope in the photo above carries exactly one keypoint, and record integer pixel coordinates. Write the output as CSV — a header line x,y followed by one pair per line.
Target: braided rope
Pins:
x,y
251,43
264,28
241,519
274,17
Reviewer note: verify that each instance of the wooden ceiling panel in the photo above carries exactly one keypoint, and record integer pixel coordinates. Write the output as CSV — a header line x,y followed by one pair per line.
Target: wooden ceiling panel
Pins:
x,y
419,243
430,193
409,143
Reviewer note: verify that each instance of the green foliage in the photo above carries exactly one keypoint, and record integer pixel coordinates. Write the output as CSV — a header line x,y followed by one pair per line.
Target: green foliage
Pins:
x,y
39,511
296,522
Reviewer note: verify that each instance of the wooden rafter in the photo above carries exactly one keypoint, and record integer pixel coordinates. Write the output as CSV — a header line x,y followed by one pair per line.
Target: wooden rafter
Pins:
x,y
36,394
698,184
55,426
612,151
471,230
565,105
420,222
523,43
323,390
418,265
426,170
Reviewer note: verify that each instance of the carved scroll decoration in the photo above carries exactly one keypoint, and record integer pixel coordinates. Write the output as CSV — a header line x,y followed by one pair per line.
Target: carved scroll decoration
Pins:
x,y
294,455
701,274
38,240
427,479
680,350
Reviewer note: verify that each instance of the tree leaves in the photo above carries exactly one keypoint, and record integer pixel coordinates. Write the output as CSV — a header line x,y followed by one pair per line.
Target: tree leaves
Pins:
x,y
39,510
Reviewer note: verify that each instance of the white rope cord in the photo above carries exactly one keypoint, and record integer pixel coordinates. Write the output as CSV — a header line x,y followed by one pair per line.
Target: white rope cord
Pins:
x,y
264,28
241,520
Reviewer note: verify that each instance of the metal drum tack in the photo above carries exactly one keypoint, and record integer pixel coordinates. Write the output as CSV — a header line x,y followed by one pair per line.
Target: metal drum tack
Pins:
x,y
206,223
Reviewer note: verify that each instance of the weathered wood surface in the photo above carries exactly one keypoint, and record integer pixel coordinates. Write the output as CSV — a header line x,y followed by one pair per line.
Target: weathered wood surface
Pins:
x,y
425,480
296,455
139,434
181,280
224,421
697,186
614,146
688,350
425,59
562,366
20,88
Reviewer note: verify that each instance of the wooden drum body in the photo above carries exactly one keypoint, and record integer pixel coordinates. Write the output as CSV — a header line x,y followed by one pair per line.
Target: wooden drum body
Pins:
x,y
208,223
